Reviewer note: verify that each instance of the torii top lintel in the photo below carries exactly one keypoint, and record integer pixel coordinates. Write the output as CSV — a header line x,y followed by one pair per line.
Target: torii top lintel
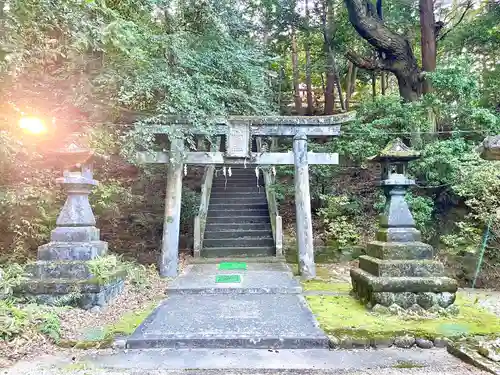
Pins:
x,y
265,125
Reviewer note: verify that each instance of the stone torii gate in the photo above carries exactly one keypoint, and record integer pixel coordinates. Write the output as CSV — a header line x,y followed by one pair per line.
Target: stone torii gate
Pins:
x,y
239,131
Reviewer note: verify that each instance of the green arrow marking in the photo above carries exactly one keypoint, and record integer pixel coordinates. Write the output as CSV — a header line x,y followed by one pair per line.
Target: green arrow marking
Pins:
x,y
228,279
232,266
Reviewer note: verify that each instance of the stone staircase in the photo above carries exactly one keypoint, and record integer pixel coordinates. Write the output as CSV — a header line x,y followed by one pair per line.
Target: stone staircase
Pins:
x,y
238,222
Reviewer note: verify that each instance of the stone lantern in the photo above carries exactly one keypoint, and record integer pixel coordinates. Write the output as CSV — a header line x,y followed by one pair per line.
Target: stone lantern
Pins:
x,y
398,270
62,266
490,148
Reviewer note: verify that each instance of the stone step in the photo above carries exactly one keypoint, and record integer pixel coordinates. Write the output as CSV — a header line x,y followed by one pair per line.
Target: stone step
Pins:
x,y
231,212
239,234
235,204
263,259
237,199
239,172
240,252
239,194
241,242
235,180
238,189
257,278
91,292
239,182
238,219
225,227
258,321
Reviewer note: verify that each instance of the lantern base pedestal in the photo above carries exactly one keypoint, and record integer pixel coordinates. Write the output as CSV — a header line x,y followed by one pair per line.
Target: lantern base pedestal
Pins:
x,y
62,274
82,293
60,251
399,250
414,285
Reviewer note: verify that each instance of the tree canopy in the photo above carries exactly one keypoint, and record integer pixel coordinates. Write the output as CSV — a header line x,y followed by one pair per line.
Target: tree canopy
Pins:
x,y
427,72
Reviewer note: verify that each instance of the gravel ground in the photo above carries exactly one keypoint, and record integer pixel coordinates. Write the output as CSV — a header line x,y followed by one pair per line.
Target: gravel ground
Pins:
x,y
462,370
63,365
488,299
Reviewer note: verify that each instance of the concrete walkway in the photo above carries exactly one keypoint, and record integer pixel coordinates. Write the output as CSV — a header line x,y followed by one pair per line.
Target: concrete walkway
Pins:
x,y
261,309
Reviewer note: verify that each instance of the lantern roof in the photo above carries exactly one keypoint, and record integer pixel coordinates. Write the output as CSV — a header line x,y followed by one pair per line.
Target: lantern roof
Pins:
x,y
74,151
395,151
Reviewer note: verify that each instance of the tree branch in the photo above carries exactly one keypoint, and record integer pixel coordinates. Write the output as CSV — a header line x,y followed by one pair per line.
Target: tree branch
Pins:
x,y
362,62
467,8
372,29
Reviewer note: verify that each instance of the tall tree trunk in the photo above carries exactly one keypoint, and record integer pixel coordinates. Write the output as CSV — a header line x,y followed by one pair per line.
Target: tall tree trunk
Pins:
x,y
339,88
374,84
332,74
383,78
394,50
330,67
310,103
348,88
428,40
329,88
295,71
352,86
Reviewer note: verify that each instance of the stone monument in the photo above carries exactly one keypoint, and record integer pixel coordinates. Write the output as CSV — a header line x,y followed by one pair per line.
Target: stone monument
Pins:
x,y
397,271
62,266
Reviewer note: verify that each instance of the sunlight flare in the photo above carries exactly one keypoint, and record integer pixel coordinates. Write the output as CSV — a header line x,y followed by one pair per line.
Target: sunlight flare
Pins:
x,y
33,125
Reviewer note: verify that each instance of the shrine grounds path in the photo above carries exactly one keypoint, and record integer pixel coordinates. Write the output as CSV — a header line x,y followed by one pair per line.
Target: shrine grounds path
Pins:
x,y
220,345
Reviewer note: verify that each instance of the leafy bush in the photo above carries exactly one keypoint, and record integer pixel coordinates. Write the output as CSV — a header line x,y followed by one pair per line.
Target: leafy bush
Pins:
x,y
11,276
338,215
102,268
190,205
24,319
109,196
422,209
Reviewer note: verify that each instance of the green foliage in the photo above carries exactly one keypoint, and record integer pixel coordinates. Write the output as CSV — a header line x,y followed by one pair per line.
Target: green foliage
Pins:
x,y
108,197
338,214
27,319
456,100
103,268
376,120
422,209
11,276
29,215
466,239
478,184
190,205
109,266
50,326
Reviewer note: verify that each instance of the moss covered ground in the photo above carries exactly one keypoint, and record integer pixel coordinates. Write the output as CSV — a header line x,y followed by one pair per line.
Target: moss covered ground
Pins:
x,y
130,321
342,315
345,316
325,286
325,280
103,337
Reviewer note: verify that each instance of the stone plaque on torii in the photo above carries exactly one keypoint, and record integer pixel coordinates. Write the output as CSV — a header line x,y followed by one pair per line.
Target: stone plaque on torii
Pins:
x,y
239,131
